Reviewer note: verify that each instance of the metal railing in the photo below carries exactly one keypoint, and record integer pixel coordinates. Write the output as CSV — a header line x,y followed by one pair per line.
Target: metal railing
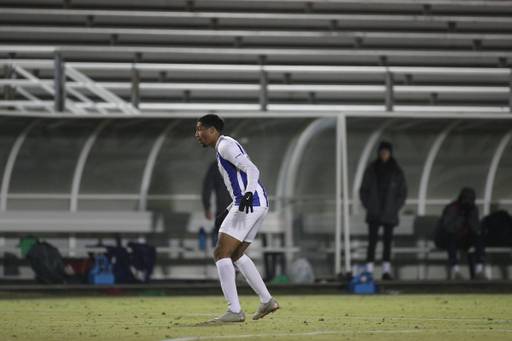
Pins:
x,y
327,17
62,89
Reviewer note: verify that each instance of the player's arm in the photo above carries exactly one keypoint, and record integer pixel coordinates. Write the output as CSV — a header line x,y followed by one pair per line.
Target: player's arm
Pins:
x,y
233,154
253,175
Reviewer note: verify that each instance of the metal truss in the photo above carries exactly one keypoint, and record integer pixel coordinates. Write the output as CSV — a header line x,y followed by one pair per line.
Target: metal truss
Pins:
x,y
76,94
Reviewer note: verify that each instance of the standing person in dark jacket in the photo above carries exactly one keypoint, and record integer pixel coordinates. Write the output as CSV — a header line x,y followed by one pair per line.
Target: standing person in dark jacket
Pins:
x,y
383,193
459,228
213,182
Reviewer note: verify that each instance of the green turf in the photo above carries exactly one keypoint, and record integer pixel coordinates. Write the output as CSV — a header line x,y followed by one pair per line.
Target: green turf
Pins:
x,y
380,317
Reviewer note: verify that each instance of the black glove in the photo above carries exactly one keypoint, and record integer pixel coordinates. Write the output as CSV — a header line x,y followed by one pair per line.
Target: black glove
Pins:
x,y
220,218
246,202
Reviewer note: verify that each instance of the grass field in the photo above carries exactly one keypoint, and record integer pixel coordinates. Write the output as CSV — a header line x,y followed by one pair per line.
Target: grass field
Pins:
x,y
380,317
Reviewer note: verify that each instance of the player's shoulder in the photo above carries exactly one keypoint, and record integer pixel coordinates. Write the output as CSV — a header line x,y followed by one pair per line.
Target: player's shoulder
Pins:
x,y
226,143
228,140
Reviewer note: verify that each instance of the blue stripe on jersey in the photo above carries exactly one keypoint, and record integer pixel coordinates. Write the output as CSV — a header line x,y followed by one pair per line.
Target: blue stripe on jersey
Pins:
x,y
232,173
241,149
256,197
264,192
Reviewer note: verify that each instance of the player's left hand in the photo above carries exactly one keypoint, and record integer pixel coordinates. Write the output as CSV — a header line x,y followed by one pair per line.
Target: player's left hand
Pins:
x,y
246,203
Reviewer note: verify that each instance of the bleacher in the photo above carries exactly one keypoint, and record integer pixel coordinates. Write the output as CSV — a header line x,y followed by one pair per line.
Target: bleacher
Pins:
x,y
292,55
283,58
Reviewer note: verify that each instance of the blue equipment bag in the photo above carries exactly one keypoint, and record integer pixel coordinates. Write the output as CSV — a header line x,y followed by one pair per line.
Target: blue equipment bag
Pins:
x,y
362,283
102,271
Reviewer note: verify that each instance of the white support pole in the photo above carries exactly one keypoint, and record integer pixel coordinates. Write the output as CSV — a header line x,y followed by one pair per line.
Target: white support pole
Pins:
x,y
363,160
150,165
82,159
427,168
6,179
346,199
303,140
305,137
283,173
489,183
339,211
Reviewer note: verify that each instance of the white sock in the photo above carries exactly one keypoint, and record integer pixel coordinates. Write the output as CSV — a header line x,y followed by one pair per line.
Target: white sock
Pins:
x,y
455,268
253,277
369,267
386,266
226,272
479,267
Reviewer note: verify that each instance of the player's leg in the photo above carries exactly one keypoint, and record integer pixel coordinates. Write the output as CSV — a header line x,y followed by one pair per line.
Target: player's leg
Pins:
x,y
226,245
250,272
232,233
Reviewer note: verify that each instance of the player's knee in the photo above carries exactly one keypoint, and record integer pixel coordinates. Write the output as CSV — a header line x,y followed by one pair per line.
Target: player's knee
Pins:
x,y
236,256
219,253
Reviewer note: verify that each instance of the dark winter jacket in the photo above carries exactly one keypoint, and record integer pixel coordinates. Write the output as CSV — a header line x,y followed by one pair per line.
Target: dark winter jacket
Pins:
x,y
383,192
453,222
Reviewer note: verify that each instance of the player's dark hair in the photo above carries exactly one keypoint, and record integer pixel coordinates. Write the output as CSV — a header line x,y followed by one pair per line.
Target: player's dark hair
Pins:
x,y
212,120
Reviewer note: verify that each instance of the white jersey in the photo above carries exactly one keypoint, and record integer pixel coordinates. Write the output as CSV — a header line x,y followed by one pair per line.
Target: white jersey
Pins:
x,y
239,173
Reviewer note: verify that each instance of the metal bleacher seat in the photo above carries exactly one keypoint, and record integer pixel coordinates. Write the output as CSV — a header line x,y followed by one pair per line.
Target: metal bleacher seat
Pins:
x,y
199,56
339,32
72,225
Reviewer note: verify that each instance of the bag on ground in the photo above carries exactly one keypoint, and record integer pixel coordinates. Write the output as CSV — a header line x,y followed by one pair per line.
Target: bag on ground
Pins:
x,y
47,263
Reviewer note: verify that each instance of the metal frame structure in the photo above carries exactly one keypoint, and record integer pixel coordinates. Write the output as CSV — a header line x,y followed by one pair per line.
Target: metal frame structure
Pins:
x,y
80,165
13,155
241,33
285,191
113,104
459,55
429,163
489,183
150,165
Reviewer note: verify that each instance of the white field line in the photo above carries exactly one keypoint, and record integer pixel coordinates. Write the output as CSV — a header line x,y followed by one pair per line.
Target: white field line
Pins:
x,y
336,332
282,316
393,318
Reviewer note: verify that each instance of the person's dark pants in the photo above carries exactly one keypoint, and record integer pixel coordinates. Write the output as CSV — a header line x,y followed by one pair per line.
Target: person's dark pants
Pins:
x,y
464,242
374,237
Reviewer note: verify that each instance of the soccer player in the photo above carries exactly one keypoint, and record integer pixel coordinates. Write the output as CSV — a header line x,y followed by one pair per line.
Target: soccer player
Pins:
x,y
244,217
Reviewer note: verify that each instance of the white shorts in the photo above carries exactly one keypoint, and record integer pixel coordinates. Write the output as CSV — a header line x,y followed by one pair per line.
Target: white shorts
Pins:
x,y
243,226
